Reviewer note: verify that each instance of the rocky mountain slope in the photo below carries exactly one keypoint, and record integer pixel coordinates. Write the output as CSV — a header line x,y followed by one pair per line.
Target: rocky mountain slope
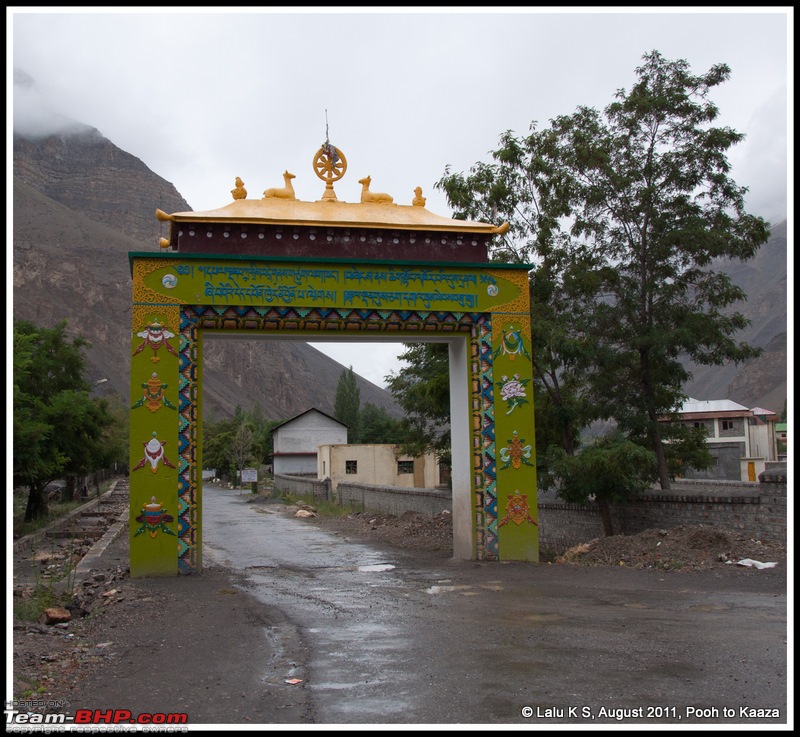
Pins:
x,y
80,206
761,382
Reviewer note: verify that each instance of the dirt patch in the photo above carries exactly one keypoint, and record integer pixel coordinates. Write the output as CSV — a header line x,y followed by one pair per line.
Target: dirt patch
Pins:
x,y
684,548
409,531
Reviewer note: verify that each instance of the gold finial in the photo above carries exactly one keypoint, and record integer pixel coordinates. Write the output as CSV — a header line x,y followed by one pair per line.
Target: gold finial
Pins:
x,y
330,166
286,192
367,196
419,200
163,242
162,216
239,193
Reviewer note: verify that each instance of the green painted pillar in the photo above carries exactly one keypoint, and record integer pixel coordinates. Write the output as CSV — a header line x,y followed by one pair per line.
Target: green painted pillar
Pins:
x,y
154,459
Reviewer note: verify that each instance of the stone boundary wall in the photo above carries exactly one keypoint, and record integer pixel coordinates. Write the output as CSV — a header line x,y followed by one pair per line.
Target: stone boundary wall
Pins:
x,y
393,499
757,510
303,485
29,542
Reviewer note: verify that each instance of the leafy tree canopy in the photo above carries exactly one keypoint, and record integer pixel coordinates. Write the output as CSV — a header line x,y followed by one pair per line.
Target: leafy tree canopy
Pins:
x,y
226,443
650,193
377,426
625,212
422,389
347,404
611,470
59,430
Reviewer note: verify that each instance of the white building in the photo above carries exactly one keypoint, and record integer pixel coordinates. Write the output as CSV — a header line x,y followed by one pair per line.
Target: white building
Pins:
x,y
295,441
741,441
379,465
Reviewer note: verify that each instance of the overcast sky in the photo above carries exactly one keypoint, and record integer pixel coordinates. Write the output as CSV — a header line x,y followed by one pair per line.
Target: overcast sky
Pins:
x,y
202,96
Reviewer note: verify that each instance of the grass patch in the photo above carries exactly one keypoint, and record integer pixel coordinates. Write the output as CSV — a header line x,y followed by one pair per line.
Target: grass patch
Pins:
x,y
323,506
55,511
36,689
670,564
30,608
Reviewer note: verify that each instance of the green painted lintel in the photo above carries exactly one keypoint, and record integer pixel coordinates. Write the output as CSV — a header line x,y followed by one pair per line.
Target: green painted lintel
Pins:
x,y
132,255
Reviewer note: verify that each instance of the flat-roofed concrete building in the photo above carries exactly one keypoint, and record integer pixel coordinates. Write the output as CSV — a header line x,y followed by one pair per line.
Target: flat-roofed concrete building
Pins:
x,y
379,464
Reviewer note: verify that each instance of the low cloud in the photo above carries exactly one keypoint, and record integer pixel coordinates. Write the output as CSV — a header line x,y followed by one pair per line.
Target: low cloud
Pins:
x,y
33,116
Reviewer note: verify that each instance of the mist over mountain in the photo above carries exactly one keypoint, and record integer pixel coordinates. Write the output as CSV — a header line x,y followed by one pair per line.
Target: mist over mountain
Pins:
x,y
33,116
81,205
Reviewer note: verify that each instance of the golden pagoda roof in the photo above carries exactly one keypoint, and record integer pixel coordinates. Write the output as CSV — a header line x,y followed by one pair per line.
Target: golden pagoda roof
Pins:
x,y
332,213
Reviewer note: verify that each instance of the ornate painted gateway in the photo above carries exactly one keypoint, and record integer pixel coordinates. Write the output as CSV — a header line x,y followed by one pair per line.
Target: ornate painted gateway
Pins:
x,y
284,268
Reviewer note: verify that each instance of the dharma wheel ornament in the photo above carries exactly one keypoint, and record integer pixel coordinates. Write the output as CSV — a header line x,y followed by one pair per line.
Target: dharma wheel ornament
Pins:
x,y
330,166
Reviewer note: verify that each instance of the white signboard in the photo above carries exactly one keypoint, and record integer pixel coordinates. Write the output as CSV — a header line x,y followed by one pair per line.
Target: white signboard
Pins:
x,y
249,475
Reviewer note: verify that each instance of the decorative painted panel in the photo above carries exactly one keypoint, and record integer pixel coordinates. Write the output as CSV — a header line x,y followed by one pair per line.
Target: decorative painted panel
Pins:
x,y
154,454
516,495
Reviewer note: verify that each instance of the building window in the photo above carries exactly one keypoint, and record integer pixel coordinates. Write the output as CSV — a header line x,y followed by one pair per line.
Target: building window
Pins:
x,y
405,467
727,424
351,466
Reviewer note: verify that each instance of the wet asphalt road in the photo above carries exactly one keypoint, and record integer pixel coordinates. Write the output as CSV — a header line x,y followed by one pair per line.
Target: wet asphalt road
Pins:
x,y
395,638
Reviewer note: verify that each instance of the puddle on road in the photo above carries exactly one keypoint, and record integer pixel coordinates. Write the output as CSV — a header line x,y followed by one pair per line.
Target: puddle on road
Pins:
x,y
492,586
310,571
543,617
449,589
368,568
464,590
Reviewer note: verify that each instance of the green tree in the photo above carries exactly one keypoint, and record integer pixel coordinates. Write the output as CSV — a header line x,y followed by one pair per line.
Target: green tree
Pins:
x,y
378,426
59,430
527,187
217,438
347,404
116,438
625,213
422,389
651,197
612,470
262,434
224,441
242,446
685,448
263,441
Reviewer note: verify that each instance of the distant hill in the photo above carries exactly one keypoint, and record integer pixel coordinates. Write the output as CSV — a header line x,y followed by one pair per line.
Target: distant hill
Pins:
x,y
80,206
761,382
